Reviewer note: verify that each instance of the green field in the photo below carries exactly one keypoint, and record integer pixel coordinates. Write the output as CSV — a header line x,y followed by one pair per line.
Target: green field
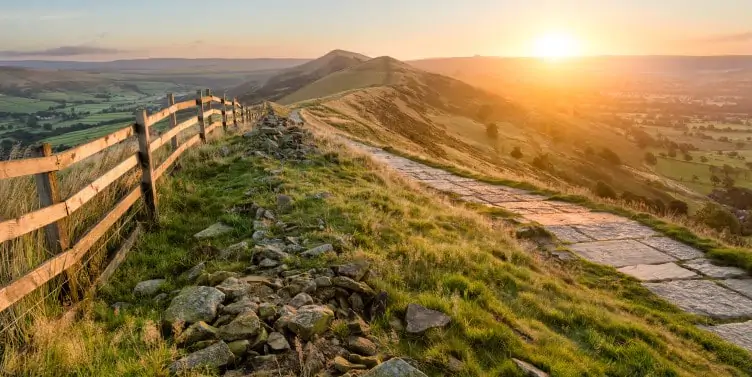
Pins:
x,y
95,119
82,136
66,96
683,172
10,104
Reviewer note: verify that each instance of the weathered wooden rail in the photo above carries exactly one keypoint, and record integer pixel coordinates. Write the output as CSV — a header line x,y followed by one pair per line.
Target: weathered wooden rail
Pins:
x,y
54,211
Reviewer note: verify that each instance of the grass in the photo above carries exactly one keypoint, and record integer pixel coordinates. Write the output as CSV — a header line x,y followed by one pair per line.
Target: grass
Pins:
x,y
506,299
10,104
82,136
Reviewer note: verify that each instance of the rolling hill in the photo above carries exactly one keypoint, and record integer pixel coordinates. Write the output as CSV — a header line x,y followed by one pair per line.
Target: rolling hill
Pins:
x,y
390,103
290,80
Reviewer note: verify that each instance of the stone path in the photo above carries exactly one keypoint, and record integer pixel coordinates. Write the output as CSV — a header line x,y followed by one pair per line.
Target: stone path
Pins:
x,y
672,270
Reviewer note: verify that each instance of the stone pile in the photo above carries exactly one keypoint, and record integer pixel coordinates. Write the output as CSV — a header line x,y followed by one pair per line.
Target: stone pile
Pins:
x,y
272,319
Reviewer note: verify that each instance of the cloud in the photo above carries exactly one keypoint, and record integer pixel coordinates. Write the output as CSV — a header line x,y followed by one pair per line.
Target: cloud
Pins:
x,y
731,38
62,51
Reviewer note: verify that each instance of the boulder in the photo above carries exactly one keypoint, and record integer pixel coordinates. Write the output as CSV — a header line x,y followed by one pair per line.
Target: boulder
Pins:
x,y
272,252
215,230
355,271
214,356
301,299
268,263
148,288
220,276
194,272
267,311
369,361
236,251
234,288
244,326
194,304
420,319
529,369
284,202
310,320
361,346
277,342
239,347
343,366
355,286
323,281
245,304
197,332
394,368
318,250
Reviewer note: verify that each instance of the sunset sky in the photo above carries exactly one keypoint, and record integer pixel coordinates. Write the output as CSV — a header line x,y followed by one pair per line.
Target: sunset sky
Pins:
x,y
115,29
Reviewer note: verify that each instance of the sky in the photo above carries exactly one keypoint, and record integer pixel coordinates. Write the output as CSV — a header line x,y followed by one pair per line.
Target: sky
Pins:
x,y
405,29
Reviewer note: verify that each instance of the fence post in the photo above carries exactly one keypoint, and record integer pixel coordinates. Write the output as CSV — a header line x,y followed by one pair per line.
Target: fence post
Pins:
x,y
49,193
148,187
235,112
173,120
200,113
224,112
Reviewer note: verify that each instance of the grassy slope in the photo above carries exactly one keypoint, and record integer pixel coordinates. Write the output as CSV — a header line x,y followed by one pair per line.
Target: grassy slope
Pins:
x,y
572,319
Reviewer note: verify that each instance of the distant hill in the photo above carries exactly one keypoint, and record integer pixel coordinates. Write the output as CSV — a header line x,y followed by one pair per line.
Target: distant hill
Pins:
x,y
292,79
226,65
390,103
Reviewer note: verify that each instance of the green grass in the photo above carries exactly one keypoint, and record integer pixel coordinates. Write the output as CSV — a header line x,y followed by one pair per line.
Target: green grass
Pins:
x,y
66,96
95,118
10,104
82,136
506,300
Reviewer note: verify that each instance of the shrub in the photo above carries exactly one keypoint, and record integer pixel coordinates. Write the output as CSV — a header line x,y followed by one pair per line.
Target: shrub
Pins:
x,y
717,217
687,157
516,153
492,131
542,162
610,156
603,190
678,207
703,159
650,158
672,152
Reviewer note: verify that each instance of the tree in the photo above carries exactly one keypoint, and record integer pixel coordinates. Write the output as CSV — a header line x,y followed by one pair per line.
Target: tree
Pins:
x,y
650,158
687,157
703,159
678,207
672,152
603,190
728,182
516,153
47,126
716,217
695,178
610,156
715,180
492,131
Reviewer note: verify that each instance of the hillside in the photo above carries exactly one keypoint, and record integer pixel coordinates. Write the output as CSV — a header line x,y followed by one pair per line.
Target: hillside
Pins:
x,y
393,104
292,79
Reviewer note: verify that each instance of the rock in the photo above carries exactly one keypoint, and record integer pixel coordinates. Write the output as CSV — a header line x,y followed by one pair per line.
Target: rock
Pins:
x,y
356,302
314,360
161,298
396,324
355,271
271,252
234,288
529,369
318,250
260,225
215,230
244,326
194,272
220,276
260,339
194,304
369,361
267,311
456,366
378,305
197,332
277,342
201,345
239,347
321,195
268,263
420,319
284,202
301,299
148,288
236,251
355,286
310,320
259,235
323,281
245,304
361,346
344,366
214,356
357,326
394,368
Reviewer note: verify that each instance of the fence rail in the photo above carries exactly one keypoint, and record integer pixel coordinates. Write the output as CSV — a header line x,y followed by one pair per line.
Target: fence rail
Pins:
x,y
54,211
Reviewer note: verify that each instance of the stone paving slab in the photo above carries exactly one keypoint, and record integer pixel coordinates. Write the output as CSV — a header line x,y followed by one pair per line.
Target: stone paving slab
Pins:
x,y
705,267
568,234
673,248
616,231
568,207
620,253
737,333
576,218
500,197
473,199
657,272
703,297
743,286
539,207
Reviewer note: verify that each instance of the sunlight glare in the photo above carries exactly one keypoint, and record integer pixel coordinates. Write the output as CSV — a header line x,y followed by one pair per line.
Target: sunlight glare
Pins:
x,y
556,46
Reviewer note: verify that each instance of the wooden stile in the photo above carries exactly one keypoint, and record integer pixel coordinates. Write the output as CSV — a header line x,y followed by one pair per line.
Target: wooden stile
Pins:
x,y
147,171
173,120
56,233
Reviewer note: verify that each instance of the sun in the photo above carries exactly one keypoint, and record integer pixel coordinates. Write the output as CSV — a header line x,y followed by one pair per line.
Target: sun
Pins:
x,y
556,46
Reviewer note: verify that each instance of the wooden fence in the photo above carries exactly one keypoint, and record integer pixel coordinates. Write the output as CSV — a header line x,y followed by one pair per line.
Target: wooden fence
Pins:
x,y
55,210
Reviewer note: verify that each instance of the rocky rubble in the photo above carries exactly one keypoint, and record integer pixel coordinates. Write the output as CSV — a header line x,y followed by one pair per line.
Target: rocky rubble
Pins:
x,y
272,319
